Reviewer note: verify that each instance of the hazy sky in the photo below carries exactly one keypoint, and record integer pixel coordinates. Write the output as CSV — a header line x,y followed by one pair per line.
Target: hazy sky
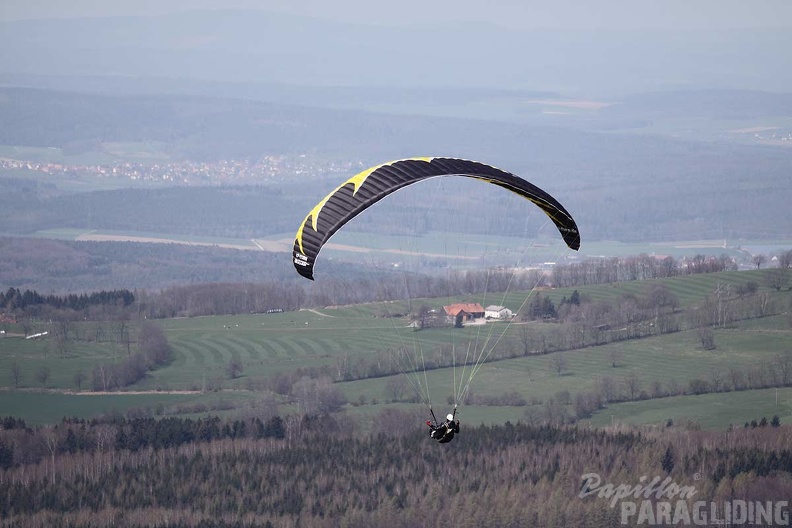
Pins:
x,y
550,14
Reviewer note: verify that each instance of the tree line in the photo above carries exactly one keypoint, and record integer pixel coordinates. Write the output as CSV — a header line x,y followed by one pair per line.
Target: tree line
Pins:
x,y
643,267
235,298
152,351
14,299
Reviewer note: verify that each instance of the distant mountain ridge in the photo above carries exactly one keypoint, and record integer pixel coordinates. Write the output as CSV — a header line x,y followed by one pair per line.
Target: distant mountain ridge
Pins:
x,y
200,127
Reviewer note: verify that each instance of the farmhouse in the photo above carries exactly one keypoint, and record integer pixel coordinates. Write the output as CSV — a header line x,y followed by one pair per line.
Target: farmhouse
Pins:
x,y
497,312
464,311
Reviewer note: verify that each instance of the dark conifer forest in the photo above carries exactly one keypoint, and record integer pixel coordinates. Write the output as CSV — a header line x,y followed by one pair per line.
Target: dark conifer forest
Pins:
x,y
320,472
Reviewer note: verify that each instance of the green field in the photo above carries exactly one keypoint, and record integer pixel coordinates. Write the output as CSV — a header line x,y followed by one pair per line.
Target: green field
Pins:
x,y
266,344
48,407
710,411
677,357
32,354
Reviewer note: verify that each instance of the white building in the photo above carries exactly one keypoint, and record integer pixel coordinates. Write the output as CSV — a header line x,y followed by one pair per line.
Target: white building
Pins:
x,y
497,312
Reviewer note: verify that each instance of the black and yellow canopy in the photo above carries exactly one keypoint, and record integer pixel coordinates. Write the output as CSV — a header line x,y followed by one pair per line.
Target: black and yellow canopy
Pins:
x,y
373,184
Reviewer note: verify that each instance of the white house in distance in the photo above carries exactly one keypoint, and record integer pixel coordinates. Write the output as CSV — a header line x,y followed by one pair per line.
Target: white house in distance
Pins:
x,y
497,312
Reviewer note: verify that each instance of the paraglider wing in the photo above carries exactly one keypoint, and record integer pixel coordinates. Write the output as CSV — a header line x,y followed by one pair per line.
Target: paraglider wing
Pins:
x,y
373,184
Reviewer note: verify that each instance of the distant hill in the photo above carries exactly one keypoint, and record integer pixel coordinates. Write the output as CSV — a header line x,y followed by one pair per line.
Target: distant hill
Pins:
x,y
200,128
67,266
618,187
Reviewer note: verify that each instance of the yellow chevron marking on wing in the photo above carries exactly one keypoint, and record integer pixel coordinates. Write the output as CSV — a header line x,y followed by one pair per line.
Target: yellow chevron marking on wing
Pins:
x,y
356,180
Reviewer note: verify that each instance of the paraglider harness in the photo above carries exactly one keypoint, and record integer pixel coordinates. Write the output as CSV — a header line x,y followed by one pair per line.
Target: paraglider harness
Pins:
x,y
443,432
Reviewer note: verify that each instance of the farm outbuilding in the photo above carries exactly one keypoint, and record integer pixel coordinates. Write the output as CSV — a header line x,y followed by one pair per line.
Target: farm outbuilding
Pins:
x,y
468,311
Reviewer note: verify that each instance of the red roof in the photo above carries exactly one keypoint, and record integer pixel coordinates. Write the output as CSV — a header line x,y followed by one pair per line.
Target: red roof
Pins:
x,y
471,308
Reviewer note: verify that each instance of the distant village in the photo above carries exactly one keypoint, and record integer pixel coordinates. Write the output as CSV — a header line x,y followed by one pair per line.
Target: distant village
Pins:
x,y
263,170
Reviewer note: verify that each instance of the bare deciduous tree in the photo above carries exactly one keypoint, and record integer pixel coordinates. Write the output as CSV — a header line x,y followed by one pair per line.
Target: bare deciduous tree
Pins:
x,y
737,378
633,385
43,374
16,374
656,389
615,356
101,378
63,325
661,298
317,395
785,259
396,387
782,363
716,380
343,368
234,368
122,335
607,389
51,437
525,338
26,324
153,344
558,363
707,337
79,378
776,278
105,436
554,412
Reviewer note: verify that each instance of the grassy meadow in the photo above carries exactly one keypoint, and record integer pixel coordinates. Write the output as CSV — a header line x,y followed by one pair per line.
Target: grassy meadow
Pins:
x,y
50,407
710,411
666,359
266,344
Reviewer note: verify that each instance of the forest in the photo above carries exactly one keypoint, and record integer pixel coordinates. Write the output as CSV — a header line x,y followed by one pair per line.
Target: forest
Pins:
x,y
314,472
14,299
